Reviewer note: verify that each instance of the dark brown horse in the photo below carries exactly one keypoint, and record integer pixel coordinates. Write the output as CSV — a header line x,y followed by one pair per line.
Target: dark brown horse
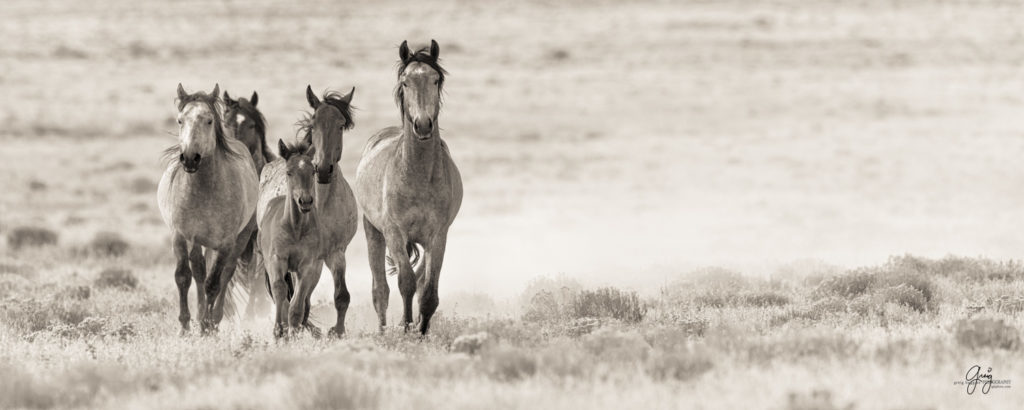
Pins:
x,y
290,236
409,189
335,204
244,121
207,197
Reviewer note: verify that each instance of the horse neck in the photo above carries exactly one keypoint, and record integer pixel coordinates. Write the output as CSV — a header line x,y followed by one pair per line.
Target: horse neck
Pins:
x,y
296,222
417,160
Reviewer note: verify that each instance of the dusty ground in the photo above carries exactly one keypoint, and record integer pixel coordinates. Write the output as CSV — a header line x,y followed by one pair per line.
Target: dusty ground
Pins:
x,y
615,143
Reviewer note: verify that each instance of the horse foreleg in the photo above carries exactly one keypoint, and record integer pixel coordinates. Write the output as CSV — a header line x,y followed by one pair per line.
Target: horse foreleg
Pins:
x,y
276,269
375,249
428,289
182,278
396,243
305,280
198,263
336,263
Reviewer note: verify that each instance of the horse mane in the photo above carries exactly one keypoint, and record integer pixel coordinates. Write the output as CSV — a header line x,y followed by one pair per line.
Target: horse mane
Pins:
x,y
215,104
249,110
420,56
335,99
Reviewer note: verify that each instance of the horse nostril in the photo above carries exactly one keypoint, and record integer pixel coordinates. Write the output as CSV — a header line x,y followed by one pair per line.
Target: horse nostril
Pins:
x,y
197,157
430,123
330,168
181,157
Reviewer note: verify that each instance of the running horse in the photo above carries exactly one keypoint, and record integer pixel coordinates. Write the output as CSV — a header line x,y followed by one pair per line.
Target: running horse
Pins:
x,y
207,197
244,121
410,190
336,210
290,241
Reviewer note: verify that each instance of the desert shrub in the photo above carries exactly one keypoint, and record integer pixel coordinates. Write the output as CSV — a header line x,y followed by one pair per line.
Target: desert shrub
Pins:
x,y
903,295
608,302
961,268
75,293
27,316
849,285
116,278
612,345
547,299
335,387
509,363
766,299
108,244
676,365
986,332
30,236
798,345
565,358
915,280
471,343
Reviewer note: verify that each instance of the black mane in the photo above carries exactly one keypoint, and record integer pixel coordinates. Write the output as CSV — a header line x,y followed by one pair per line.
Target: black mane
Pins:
x,y
335,99
242,106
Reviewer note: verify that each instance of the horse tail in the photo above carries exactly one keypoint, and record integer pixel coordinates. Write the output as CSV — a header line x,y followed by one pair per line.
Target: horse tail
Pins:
x,y
415,258
238,291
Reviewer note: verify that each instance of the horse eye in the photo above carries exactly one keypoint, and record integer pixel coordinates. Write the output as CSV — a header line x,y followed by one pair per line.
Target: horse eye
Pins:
x,y
289,173
179,121
435,82
209,122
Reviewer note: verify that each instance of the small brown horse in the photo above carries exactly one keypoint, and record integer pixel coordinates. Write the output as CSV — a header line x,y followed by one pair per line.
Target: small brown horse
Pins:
x,y
207,196
409,189
244,121
289,240
335,204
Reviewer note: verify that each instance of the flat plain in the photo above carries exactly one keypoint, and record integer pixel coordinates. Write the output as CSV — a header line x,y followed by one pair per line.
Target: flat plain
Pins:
x,y
786,204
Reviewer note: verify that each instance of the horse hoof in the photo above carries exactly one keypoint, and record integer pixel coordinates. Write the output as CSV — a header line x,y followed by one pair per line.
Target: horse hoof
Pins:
x,y
314,331
335,333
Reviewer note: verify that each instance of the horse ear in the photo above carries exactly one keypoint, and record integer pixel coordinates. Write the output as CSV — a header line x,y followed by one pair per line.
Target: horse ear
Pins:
x,y
254,99
403,51
311,97
181,92
348,97
228,100
308,139
435,50
282,149
216,91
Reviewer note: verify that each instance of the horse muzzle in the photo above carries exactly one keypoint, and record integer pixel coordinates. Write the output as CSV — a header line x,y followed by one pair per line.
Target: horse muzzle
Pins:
x,y
323,174
191,163
305,204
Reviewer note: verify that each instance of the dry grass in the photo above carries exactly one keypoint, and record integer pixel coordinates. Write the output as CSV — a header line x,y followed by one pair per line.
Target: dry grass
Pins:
x,y
624,145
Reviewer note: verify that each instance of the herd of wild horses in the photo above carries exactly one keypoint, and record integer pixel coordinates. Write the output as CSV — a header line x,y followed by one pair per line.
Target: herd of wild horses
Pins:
x,y
230,203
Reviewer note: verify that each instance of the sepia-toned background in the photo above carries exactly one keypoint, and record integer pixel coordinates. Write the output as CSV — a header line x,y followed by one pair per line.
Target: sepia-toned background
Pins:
x,y
605,143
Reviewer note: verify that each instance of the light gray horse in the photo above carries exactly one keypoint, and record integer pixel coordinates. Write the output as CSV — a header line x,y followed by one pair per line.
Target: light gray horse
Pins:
x,y
207,196
409,189
336,208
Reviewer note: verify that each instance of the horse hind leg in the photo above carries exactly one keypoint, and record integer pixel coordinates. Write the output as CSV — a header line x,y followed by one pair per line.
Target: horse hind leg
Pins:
x,y
336,263
182,278
375,250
